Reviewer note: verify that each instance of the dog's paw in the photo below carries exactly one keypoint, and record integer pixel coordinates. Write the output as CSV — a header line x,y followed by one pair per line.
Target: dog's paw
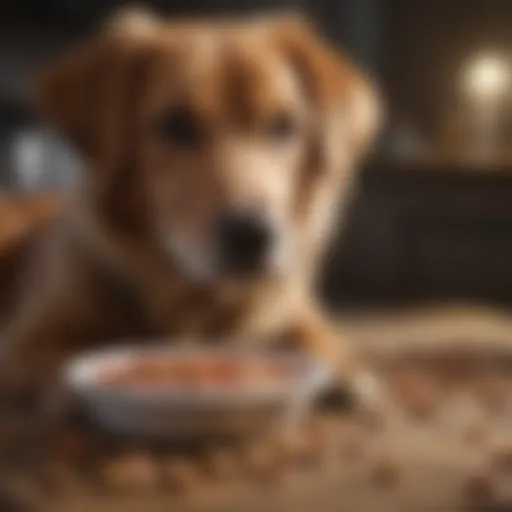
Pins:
x,y
338,397
365,392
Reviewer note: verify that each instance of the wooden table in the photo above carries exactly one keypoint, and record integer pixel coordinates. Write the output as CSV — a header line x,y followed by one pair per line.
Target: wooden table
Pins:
x,y
434,464
434,457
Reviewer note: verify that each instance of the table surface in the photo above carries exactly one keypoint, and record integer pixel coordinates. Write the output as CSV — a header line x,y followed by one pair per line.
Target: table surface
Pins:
x,y
434,463
434,458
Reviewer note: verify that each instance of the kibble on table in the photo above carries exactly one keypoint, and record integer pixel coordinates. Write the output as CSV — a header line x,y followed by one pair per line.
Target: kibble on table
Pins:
x,y
221,464
480,487
180,475
385,473
131,472
349,441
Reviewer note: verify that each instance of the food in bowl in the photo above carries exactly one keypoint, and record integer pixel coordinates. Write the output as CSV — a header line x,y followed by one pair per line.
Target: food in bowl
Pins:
x,y
194,371
195,391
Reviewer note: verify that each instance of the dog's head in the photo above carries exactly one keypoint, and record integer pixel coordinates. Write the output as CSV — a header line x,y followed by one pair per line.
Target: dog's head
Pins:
x,y
226,142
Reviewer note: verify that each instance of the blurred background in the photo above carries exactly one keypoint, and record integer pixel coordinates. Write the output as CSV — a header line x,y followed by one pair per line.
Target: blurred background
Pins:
x,y
432,216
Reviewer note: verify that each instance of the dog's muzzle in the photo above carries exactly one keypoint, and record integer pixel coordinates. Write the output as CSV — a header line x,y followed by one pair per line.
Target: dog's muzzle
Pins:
x,y
244,241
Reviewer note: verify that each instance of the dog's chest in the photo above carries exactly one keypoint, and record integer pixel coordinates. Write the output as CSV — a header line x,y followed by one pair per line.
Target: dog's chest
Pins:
x,y
223,316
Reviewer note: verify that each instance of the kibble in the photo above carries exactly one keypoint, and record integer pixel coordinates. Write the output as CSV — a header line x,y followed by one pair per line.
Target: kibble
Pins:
x,y
320,438
59,478
180,475
72,446
493,393
351,442
257,456
294,449
476,434
221,464
385,473
131,472
417,393
273,472
352,450
373,420
265,464
271,460
502,458
480,487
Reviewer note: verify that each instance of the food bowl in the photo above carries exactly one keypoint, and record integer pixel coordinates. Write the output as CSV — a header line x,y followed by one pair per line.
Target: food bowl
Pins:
x,y
219,402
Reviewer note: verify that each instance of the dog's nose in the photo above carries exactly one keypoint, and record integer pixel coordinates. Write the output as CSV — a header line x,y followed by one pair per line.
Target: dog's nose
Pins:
x,y
244,240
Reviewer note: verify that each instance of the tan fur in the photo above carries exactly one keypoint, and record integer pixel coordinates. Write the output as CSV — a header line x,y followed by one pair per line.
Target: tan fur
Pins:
x,y
102,274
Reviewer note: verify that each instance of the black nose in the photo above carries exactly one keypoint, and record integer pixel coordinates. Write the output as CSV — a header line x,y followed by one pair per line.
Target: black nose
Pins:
x,y
244,240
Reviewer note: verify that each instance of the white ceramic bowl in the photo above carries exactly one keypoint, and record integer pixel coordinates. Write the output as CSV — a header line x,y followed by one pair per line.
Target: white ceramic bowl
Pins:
x,y
192,412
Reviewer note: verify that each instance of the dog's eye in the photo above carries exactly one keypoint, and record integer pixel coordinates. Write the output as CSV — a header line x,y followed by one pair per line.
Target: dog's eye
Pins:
x,y
180,127
281,127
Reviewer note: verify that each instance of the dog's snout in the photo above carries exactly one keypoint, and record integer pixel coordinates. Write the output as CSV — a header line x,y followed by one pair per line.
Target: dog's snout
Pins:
x,y
244,241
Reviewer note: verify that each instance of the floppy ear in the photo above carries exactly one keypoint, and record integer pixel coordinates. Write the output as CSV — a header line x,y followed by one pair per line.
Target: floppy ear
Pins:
x,y
89,94
348,103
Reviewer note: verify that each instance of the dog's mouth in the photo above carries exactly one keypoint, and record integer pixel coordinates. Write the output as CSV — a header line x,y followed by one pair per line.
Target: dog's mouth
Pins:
x,y
245,270
251,268
241,248
246,263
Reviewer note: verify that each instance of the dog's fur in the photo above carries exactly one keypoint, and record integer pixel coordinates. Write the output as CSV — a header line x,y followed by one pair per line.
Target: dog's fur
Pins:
x,y
131,254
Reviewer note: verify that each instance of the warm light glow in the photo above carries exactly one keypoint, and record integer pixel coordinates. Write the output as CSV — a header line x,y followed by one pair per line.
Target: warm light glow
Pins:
x,y
486,80
487,77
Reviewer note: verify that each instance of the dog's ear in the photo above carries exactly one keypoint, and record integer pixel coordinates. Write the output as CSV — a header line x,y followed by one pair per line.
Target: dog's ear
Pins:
x,y
349,105
89,93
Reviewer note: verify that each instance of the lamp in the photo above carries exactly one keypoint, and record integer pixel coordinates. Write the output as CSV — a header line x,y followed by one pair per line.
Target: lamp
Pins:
x,y
486,80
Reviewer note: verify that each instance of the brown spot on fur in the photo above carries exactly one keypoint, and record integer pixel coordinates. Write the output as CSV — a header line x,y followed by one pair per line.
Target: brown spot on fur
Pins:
x,y
243,87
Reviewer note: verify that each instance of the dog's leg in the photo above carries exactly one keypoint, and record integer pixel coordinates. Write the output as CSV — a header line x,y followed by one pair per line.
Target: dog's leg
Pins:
x,y
48,326
313,331
31,348
290,318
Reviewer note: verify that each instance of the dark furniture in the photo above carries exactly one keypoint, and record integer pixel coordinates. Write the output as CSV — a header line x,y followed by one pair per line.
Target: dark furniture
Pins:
x,y
421,233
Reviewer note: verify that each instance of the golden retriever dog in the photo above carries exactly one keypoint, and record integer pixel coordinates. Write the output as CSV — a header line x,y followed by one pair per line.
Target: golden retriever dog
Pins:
x,y
217,155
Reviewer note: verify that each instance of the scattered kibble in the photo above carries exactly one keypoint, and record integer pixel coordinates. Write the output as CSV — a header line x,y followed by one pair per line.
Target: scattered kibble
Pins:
x,y
72,446
289,445
273,472
417,393
493,392
221,464
343,441
265,463
385,473
320,439
59,478
476,434
295,449
351,441
257,456
374,420
352,450
180,475
131,472
480,487
502,458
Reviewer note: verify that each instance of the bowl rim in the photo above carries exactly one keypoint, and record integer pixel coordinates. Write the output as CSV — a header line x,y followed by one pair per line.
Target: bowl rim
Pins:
x,y
78,376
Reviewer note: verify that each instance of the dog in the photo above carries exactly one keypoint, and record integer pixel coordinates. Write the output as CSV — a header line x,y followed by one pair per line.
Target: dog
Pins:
x,y
218,155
